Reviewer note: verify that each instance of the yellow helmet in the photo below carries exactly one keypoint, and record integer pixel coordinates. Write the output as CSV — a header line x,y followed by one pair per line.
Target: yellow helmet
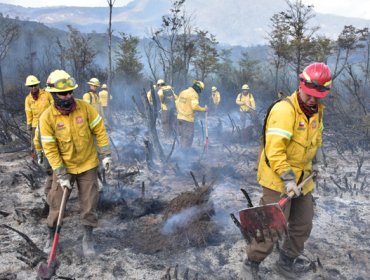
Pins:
x,y
245,87
60,81
94,82
104,86
31,81
214,88
160,82
200,84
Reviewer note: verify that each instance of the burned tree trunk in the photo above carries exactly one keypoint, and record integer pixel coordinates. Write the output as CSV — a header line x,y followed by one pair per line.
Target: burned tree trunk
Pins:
x,y
151,115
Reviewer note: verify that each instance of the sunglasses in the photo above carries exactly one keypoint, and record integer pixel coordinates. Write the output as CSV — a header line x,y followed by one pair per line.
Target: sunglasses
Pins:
x,y
319,88
63,83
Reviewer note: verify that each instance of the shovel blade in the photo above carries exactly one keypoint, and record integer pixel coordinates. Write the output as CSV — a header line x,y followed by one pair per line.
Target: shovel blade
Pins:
x,y
262,221
45,271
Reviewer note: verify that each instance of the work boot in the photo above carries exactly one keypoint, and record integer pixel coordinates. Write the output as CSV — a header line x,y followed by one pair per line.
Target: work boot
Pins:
x,y
49,241
250,270
291,267
88,242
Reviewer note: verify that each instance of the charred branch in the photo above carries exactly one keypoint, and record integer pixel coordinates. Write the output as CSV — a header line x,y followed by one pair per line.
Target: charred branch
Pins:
x,y
5,214
30,181
137,107
151,119
115,148
337,184
31,254
359,166
194,179
172,149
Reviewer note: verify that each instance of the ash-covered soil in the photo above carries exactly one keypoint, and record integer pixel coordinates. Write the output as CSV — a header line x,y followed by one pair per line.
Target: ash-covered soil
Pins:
x,y
155,223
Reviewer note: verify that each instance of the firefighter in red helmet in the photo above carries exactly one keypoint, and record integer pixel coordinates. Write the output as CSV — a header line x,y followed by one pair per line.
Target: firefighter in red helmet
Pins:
x,y
292,147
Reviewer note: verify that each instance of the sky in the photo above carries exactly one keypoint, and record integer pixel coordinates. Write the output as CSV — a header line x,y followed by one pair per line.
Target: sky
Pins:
x,y
349,8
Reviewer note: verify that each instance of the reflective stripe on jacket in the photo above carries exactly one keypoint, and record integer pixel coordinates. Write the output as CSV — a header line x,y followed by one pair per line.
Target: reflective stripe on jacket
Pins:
x,y
34,108
245,102
187,103
216,97
291,143
92,99
103,97
68,140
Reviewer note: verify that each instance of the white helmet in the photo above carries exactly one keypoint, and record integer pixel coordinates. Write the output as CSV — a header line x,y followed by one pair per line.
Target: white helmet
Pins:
x,y
245,87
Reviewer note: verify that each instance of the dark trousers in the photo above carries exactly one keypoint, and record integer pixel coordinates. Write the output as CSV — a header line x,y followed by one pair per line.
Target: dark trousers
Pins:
x,y
87,184
186,133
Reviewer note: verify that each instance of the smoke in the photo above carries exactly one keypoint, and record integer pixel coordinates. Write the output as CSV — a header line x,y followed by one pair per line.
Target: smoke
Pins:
x,y
180,220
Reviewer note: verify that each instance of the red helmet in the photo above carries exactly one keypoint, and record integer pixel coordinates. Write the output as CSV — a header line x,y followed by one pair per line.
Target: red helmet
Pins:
x,y
315,80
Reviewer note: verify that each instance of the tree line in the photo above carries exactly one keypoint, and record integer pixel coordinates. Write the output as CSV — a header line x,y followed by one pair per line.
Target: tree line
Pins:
x,y
178,52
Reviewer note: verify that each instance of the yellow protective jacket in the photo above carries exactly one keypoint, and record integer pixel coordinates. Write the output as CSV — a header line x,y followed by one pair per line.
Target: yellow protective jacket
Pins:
x,y
291,143
92,99
34,108
245,102
103,97
164,106
187,103
68,140
216,97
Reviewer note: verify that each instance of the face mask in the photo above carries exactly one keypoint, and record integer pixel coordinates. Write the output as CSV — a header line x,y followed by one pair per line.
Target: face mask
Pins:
x,y
64,106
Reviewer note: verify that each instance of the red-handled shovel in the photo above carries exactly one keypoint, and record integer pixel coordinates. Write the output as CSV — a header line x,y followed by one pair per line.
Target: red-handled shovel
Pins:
x,y
45,271
263,221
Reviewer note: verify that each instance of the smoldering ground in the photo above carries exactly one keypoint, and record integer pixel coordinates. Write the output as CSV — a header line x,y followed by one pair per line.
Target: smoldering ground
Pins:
x,y
158,220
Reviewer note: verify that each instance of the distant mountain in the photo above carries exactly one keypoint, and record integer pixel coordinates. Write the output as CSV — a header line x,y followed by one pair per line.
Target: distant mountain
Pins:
x,y
244,22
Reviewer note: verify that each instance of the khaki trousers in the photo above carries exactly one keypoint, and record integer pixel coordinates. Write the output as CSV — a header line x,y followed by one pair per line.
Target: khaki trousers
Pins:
x,y
186,133
87,184
299,214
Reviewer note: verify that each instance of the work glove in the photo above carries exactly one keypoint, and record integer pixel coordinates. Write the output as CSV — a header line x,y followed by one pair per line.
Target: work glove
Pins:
x,y
290,183
107,164
64,180
40,158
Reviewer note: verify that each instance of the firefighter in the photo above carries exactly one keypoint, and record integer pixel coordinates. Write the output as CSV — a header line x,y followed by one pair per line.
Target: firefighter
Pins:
x,y
104,102
293,140
37,101
216,98
247,104
72,135
167,98
92,96
187,104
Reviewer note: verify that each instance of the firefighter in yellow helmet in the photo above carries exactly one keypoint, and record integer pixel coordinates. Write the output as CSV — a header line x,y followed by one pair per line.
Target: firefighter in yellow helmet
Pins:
x,y
215,98
37,101
73,134
247,104
292,141
187,105
168,98
92,96
104,101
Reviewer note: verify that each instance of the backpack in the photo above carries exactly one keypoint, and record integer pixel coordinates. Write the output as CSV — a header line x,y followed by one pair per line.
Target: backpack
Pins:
x,y
263,134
